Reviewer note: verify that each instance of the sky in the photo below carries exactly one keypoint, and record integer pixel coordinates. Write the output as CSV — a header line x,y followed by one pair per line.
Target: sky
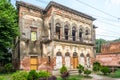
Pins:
x,y
106,12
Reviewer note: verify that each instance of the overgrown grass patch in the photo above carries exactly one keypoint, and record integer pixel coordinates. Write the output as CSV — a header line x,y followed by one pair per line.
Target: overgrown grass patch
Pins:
x,y
5,76
116,74
72,77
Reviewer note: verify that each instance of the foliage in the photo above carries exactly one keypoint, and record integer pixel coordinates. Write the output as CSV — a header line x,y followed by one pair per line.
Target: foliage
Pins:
x,y
87,72
116,74
43,74
64,72
8,67
2,78
80,68
63,69
33,75
96,66
20,75
8,29
105,70
99,42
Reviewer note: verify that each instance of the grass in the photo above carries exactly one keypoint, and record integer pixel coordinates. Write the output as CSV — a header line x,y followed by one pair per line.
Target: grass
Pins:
x,y
75,77
5,76
116,74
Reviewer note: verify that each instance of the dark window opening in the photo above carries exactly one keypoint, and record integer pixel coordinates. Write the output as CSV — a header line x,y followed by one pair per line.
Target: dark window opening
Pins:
x,y
80,34
66,32
48,59
58,30
87,32
74,33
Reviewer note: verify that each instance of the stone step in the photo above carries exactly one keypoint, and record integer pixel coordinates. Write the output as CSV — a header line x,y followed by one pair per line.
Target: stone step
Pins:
x,y
73,72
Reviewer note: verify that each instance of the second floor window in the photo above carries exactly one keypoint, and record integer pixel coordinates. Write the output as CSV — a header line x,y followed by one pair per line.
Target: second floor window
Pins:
x,y
58,30
66,32
74,33
33,35
80,34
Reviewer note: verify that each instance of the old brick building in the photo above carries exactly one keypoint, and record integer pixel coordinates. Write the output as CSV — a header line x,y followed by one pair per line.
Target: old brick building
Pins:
x,y
52,37
110,55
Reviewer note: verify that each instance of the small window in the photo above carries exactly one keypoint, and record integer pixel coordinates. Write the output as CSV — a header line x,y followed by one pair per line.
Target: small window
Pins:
x,y
33,36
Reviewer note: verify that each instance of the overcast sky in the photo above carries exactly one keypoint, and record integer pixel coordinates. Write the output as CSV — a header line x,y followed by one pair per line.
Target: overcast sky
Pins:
x,y
106,12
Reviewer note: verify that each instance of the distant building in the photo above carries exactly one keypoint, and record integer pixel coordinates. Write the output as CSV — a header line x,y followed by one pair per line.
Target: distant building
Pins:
x,y
52,37
110,55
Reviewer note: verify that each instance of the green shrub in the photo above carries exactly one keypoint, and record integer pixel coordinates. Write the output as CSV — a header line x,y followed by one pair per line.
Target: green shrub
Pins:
x,y
116,74
63,69
43,74
33,75
8,68
87,72
20,75
2,70
96,66
105,70
80,68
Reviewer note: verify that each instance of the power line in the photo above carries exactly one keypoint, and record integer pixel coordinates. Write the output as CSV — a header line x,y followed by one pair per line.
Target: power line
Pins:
x,y
97,9
108,36
109,31
109,23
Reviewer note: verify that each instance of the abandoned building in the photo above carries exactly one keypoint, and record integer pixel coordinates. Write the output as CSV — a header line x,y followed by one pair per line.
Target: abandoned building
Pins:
x,y
52,37
110,55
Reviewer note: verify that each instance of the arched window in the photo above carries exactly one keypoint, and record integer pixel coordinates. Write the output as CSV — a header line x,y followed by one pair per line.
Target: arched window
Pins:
x,y
75,54
67,54
66,32
80,34
87,31
74,33
58,30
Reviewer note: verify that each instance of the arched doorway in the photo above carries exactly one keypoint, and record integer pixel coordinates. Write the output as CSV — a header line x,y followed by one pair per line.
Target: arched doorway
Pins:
x,y
67,60
88,60
58,60
82,59
75,60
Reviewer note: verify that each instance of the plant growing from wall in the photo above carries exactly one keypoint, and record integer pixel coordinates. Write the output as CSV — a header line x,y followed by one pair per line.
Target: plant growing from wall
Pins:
x,y
80,69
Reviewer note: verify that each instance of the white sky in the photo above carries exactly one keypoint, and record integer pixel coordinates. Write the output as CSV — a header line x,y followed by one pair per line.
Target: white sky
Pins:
x,y
108,26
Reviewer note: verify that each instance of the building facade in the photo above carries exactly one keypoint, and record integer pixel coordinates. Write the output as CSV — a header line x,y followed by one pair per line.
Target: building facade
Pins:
x,y
110,55
52,37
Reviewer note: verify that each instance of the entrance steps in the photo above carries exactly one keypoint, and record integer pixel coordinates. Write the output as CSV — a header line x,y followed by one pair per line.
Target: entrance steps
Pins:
x,y
73,72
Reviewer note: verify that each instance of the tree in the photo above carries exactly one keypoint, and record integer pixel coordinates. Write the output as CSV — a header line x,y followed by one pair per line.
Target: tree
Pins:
x,y
99,42
8,29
